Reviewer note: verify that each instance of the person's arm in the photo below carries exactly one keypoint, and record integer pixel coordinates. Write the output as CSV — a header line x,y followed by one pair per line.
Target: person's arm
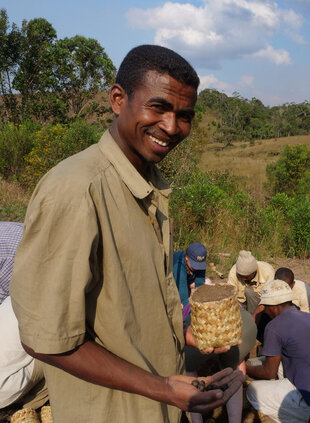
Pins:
x,y
258,313
95,364
266,371
180,277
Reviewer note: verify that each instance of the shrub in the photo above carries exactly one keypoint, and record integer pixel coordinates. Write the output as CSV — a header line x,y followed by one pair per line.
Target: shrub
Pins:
x,y
180,165
290,170
16,142
287,220
53,144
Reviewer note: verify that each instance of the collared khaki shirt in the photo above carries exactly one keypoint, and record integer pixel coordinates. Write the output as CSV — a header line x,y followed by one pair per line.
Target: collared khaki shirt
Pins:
x,y
96,258
265,273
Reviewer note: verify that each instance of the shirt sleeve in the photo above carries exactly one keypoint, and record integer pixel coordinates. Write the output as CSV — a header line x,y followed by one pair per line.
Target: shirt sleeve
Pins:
x,y
233,280
305,299
6,269
54,270
180,276
272,342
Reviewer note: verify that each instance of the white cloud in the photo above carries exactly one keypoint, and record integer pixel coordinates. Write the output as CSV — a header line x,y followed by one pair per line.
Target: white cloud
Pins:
x,y
247,80
210,81
279,57
216,30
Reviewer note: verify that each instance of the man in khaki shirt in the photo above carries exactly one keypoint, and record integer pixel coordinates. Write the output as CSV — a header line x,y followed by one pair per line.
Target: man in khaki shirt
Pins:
x,y
92,287
249,276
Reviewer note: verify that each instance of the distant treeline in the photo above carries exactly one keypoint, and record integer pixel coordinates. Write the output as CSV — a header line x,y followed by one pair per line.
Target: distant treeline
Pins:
x,y
242,119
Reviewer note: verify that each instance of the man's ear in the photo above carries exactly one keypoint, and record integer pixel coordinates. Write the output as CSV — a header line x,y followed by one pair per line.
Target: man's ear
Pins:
x,y
117,98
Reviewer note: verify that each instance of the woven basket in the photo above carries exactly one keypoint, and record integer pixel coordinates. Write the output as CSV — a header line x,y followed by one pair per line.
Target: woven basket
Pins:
x,y
215,316
46,414
25,415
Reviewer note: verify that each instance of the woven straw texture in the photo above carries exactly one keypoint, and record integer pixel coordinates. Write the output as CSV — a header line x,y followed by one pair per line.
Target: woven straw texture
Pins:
x,y
215,316
26,415
46,414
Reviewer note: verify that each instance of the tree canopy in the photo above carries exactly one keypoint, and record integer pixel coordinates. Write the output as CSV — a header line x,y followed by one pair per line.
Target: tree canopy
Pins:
x,y
51,76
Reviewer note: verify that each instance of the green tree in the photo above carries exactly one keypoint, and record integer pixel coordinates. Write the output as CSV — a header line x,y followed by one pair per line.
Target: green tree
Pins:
x,y
34,78
290,174
10,50
81,68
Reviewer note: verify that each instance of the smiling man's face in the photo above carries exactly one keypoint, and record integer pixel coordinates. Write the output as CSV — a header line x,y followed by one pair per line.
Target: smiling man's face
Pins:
x,y
156,118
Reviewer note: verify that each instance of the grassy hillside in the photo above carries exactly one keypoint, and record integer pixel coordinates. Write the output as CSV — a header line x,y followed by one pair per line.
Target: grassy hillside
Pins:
x,y
248,161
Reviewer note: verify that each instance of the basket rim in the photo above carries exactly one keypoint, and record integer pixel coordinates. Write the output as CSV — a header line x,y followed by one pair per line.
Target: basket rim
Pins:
x,y
230,297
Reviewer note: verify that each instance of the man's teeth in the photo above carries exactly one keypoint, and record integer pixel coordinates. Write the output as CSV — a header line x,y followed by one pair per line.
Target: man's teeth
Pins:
x,y
162,143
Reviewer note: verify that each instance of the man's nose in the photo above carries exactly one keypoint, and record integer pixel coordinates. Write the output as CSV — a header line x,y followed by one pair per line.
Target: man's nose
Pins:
x,y
169,123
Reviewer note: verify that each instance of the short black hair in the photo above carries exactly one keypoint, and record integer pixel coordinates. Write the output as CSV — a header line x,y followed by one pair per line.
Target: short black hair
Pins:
x,y
148,57
285,274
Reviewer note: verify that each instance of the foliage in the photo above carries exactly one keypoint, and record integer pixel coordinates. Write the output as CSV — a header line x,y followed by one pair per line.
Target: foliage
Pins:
x,y
245,119
81,68
13,201
53,77
16,141
54,143
10,50
290,218
181,164
210,207
291,173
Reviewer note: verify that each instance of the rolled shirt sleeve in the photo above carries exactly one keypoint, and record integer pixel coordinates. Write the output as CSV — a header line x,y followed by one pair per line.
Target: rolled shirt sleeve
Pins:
x,y
53,272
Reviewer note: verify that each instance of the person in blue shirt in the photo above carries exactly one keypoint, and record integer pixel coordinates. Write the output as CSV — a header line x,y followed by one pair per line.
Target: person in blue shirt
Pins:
x,y
189,271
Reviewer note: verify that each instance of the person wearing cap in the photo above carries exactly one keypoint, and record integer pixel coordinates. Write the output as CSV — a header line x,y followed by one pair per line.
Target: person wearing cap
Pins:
x,y
249,276
287,399
189,270
301,298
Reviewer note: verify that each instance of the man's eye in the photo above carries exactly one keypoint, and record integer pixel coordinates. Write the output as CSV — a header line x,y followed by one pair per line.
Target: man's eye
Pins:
x,y
158,108
185,117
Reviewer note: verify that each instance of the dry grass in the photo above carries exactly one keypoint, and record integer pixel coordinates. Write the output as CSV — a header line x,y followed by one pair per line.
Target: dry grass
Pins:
x,y
248,162
13,201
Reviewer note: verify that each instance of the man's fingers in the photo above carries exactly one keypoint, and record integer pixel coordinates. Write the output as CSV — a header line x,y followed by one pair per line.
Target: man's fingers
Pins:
x,y
232,389
205,402
226,376
219,375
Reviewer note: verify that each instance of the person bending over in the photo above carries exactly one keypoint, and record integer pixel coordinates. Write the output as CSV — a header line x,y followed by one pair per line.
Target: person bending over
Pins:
x,y
287,399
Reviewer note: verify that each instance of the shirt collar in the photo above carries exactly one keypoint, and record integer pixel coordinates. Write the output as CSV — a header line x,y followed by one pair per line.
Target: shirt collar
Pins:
x,y
139,187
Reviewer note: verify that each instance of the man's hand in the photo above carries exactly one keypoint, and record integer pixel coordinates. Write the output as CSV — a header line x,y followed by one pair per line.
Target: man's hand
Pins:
x,y
258,313
188,398
189,340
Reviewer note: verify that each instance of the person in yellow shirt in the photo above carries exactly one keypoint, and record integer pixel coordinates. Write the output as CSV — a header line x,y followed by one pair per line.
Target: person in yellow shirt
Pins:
x,y
301,291
249,276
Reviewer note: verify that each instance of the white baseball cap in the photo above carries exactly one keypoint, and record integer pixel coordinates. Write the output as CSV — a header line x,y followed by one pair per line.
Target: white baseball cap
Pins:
x,y
276,292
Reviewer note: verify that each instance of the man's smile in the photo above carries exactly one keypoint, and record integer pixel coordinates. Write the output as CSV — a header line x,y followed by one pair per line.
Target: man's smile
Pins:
x,y
159,142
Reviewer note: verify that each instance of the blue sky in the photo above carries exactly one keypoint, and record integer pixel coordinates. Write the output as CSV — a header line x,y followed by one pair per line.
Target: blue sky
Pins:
x,y
259,48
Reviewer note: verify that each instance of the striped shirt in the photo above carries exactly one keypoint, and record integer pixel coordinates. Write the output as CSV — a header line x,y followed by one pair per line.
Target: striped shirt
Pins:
x,y
10,236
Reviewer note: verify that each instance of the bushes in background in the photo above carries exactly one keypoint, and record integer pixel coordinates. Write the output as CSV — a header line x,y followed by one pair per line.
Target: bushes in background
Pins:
x,y
54,143
27,150
291,173
16,142
209,207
